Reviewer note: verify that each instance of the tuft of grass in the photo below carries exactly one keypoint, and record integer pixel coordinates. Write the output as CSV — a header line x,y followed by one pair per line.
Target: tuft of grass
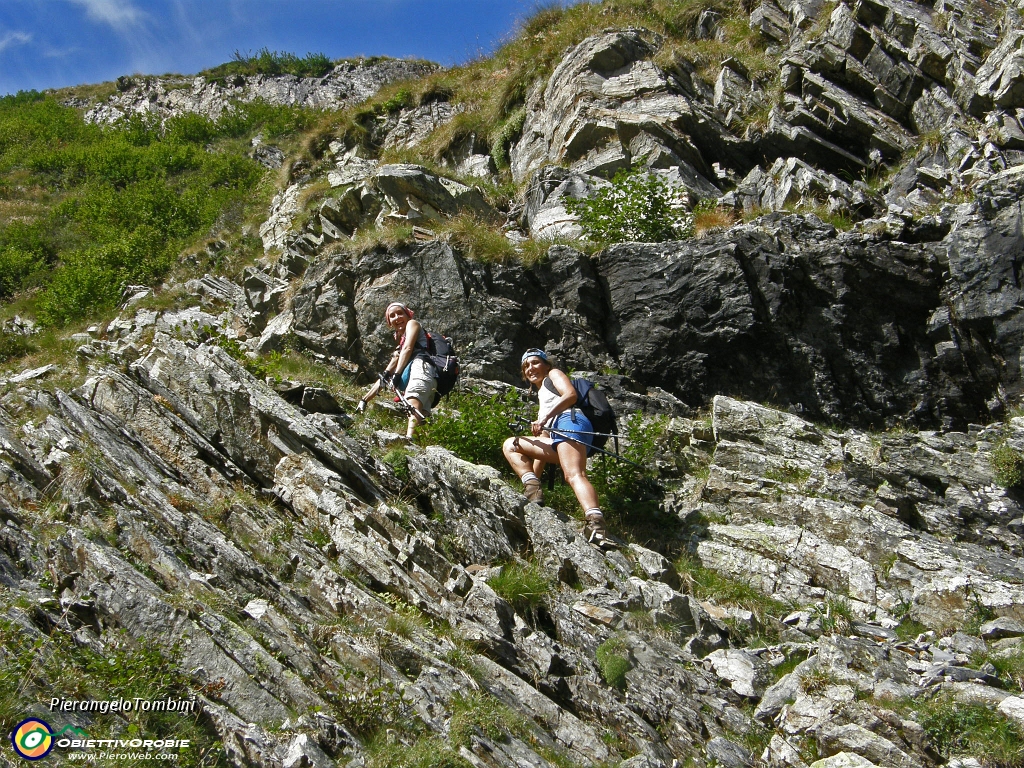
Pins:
x,y
836,616
708,217
1007,464
1009,668
909,629
523,585
958,729
613,662
708,584
390,235
817,680
267,62
478,240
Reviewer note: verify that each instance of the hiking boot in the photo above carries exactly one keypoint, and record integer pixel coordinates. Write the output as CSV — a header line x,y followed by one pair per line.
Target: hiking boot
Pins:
x,y
533,492
596,534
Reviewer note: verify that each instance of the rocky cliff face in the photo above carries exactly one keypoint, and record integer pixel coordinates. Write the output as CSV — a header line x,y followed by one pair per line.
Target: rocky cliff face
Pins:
x,y
910,315
920,322
175,498
797,595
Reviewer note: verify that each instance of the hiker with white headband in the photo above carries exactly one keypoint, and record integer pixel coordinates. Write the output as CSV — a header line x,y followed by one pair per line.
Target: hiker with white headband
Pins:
x,y
561,435
410,370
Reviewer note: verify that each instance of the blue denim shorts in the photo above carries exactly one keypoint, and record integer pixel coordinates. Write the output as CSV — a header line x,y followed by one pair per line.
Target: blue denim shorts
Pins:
x,y
571,423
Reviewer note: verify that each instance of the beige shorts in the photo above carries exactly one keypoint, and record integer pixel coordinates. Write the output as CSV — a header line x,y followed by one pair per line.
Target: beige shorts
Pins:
x,y
422,384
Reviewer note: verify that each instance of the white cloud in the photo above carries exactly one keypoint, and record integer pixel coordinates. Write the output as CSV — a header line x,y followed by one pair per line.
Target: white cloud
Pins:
x,y
119,14
14,38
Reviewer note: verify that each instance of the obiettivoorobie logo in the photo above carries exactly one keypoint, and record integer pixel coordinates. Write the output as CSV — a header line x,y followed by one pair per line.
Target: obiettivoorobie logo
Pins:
x,y
33,738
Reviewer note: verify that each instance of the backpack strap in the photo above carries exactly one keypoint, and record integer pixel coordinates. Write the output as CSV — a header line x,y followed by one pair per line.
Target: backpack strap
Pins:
x,y
549,384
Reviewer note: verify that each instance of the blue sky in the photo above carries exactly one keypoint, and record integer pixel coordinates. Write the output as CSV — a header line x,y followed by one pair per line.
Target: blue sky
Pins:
x,y
55,43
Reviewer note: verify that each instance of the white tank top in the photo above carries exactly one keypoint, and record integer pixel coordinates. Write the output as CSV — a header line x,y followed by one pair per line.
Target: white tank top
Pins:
x,y
547,397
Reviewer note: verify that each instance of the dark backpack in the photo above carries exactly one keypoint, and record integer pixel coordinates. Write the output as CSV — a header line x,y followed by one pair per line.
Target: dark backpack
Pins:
x,y
595,407
446,363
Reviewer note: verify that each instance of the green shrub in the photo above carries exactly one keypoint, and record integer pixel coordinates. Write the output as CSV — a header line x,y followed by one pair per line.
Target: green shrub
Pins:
x,y
956,728
620,483
636,207
258,367
25,250
369,706
1008,465
473,426
15,267
524,586
613,662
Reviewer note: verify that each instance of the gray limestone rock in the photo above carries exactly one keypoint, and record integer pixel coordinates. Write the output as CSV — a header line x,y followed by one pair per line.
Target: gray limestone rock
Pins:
x,y
346,84
599,97
747,674
1002,627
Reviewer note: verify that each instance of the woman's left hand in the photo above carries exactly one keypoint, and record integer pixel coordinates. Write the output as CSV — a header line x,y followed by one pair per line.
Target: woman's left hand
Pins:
x,y
537,427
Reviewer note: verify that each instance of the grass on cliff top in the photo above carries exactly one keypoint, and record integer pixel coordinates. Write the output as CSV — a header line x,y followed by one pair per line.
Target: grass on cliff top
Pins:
x,y
267,62
492,92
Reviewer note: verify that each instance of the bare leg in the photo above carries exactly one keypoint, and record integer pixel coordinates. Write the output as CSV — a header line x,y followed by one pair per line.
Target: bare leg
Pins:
x,y
414,420
573,458
524,453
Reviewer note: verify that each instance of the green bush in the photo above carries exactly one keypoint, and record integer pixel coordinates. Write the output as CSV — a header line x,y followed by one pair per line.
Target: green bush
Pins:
x,y
1008,464
619,482
636,207
258,367
25,250
398,460
473,426
613,662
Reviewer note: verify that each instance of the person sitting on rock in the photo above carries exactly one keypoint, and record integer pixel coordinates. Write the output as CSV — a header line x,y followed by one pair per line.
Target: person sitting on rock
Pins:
x,y
562,435
417,378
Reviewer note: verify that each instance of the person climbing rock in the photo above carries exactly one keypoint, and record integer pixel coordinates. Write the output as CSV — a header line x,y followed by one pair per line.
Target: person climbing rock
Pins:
x,y
410,370
561,435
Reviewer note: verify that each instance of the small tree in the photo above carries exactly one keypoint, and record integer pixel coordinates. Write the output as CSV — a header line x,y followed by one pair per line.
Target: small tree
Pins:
x,y
636,207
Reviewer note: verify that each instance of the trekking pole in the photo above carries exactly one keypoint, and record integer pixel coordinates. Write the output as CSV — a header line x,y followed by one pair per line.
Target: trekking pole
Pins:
x,y
522,422
613,435
409,407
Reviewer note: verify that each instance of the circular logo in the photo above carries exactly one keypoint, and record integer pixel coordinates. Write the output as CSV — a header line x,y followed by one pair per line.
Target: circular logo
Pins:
x,y
32,739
